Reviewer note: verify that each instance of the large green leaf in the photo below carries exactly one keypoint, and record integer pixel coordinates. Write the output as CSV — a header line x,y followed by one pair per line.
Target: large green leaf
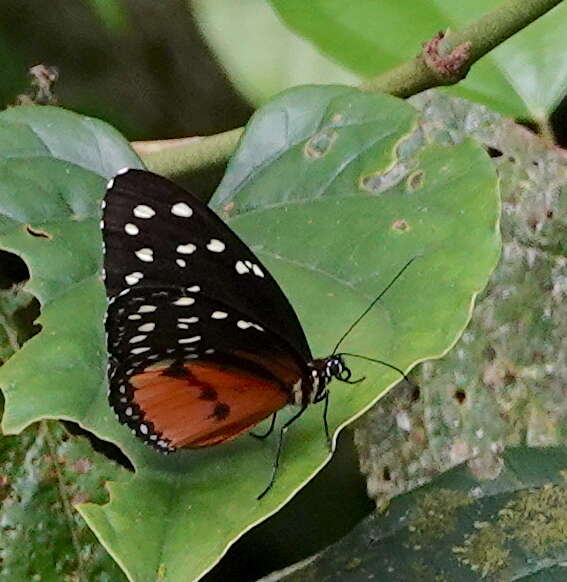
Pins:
x,y
335,190
524,77
458,527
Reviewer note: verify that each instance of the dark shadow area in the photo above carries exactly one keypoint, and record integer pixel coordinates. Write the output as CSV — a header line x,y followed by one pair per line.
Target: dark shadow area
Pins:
x,y
13,270
21,309
108,449
558,123
320,514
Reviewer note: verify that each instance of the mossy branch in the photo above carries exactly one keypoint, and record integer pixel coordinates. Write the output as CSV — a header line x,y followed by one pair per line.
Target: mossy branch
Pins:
x,y
444,60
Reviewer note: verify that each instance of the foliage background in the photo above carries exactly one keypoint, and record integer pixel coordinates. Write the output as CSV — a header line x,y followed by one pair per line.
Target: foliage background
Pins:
x,y
145,67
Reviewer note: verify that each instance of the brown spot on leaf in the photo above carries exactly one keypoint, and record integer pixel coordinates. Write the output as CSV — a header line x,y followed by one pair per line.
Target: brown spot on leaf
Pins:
x,y
415,180
36,232
320,143
401,225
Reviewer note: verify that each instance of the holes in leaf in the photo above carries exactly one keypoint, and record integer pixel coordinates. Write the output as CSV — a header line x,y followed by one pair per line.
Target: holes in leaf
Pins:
x,y
21,309
460,396
493,152
386,475
13,270
106,448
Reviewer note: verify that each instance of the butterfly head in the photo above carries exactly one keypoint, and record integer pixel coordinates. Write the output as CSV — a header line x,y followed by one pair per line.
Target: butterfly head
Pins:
x,y
323,371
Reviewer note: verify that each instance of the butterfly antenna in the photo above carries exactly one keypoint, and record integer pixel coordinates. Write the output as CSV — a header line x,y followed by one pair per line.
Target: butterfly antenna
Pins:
x,y
380,295
400,372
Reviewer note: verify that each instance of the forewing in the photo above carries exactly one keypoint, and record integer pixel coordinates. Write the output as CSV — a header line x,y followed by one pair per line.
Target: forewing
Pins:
x,y
151,323
158,235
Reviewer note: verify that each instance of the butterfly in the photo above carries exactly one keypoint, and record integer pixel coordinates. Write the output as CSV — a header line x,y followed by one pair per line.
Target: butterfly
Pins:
x,y
203,344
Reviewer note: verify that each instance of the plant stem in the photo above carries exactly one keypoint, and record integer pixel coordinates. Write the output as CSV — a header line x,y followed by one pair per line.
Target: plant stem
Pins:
x,y
480,38
445,60
176,157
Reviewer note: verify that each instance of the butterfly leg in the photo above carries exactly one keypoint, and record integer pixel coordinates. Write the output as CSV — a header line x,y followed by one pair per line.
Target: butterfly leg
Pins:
x,y
276,464
269,431
326,422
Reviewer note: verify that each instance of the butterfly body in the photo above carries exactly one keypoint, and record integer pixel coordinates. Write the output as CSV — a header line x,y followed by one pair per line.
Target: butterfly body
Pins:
x,y
203,343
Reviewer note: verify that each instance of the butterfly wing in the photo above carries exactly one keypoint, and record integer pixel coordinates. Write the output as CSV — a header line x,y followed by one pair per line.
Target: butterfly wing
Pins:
x,y
187,295
183,403
156,234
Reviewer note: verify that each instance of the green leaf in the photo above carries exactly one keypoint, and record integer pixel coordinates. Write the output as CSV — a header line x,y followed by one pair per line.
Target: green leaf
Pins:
x,y
502,382
335,190
511,527
525,77
261,55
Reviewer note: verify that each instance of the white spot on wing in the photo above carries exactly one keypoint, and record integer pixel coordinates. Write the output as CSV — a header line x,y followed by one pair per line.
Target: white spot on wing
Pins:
x,y
216,246
181,209
146,255
257,271
184,301
181,262
150,326
186,249
241,268
188,319
110,184
137,338
147,308
139,350
189,340
144,428
143,211
244,324
122,171
219,315
131,229
133,278
194,289
134,316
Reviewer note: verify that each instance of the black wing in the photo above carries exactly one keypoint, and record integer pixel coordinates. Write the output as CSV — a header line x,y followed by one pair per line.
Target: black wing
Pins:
x,y
159,236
